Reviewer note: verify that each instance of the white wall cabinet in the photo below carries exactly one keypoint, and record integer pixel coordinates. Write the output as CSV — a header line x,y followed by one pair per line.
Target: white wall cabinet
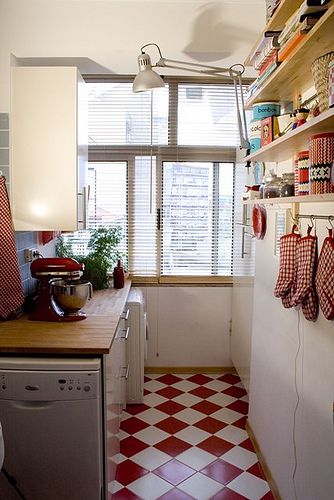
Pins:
x,y
49,141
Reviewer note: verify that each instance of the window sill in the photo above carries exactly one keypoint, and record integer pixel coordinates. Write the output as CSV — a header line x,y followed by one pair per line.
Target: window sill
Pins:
x,y
182,281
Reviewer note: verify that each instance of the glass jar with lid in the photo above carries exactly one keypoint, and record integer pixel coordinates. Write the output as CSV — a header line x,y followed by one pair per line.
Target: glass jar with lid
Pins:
x,y
288,184
272,186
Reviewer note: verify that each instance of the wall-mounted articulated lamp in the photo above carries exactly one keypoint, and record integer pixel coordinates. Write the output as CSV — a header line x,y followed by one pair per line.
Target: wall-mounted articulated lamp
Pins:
x,y
147,79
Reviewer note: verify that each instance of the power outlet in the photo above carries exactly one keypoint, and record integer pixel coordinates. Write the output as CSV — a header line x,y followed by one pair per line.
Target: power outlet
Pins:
x,y
30,254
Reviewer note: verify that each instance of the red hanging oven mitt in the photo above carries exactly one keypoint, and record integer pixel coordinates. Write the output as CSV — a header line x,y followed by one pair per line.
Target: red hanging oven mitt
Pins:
x,y
324,279
287,276
306,260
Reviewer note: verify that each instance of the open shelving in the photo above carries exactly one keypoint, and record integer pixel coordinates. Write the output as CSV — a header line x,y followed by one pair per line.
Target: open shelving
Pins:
x,y
294,76
295,140
311,198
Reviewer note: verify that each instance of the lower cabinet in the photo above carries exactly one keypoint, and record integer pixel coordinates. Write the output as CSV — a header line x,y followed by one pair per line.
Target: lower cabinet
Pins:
x,y
115,373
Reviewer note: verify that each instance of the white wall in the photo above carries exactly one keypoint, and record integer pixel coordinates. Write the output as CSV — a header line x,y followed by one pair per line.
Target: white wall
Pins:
x,y
285,346
188,326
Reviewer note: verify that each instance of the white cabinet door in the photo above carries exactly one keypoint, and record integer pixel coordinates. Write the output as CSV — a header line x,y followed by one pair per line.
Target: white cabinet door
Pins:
x,y
48,148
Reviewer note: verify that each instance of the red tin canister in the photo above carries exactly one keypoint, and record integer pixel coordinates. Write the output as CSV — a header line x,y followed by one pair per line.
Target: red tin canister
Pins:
x,y
321,159
303,173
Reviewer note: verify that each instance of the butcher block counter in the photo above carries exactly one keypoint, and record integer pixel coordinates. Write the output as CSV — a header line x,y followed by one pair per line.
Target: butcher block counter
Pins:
x,y
93,335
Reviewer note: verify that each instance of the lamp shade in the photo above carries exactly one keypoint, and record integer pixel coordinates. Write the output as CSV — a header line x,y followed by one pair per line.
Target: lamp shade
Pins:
x,y
146,79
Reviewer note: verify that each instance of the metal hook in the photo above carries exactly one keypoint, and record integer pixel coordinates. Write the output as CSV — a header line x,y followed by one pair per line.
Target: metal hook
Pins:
x,y
330,220
312,221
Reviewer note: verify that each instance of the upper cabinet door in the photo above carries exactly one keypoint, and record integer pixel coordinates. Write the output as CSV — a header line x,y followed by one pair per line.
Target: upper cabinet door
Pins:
x,y
49,141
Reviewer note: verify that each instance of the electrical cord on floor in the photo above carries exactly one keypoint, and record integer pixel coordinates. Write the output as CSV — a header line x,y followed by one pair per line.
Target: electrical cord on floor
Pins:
x,y
12,481
295,410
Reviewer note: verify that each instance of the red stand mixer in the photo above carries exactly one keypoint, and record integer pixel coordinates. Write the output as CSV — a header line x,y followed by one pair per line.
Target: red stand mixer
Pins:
x,y
61,293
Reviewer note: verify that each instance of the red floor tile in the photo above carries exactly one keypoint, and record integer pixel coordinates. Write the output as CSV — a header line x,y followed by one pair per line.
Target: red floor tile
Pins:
x,y
210,424
199,379
227,494
146,378
130,446
239,406
247,444
175,494
229,378
169,379
206,407
172,446
171,425
257,470
221,471
133,424
128,471
135,409
170,407
169,392
236,392
215,445
146,392
241,423
174,472
124,494
203,392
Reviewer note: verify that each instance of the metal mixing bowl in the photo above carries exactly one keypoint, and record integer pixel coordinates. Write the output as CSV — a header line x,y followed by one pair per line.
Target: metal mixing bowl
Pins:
x,y
71,296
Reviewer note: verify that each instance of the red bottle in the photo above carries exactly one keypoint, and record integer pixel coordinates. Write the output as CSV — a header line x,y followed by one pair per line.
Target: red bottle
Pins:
x,y
118,275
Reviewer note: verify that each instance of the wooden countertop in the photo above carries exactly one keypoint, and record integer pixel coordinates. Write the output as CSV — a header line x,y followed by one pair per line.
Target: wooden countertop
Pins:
x,y
94,335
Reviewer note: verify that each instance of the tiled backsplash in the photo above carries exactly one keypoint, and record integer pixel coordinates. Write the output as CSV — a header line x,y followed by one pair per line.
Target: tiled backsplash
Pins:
x,y
24,239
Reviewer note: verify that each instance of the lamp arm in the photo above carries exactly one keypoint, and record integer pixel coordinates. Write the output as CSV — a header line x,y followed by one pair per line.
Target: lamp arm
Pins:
x,y
206,70
147,45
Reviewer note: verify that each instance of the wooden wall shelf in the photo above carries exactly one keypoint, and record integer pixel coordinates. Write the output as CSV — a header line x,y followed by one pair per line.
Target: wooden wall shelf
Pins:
x,y
294,75
312,198
296,140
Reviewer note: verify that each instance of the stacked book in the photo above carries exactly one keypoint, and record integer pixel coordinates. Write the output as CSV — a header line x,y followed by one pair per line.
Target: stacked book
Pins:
x,y
298,25
265,59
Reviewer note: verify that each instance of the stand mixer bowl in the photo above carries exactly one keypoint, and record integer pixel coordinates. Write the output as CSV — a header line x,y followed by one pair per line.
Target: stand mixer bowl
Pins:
x,y
71,296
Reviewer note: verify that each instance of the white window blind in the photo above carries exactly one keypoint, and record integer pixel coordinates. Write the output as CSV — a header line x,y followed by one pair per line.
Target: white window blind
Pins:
x,y
197,218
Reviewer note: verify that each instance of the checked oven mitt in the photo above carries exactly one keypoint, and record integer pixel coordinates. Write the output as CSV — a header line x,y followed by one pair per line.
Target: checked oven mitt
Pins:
x,y
306,261
287,277
324,279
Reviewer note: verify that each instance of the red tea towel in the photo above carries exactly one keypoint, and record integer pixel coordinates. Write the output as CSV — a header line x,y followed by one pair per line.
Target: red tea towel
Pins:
x,y
324,279
11,291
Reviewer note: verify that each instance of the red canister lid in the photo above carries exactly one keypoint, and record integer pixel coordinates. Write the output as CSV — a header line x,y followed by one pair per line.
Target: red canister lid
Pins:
x,y
323,135
303,154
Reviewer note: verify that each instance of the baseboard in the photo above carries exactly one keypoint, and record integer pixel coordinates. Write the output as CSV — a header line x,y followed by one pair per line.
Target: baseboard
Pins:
x,y
263,463
189,369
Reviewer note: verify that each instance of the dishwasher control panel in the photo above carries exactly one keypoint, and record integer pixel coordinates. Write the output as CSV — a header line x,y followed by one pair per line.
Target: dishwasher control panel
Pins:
x,y
49,385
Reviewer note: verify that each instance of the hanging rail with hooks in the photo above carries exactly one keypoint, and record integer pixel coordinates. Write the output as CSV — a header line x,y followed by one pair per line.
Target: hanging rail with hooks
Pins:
x,y
296,217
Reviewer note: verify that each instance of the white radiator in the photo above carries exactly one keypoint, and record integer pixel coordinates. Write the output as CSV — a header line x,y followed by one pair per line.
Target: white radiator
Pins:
x,y
136,346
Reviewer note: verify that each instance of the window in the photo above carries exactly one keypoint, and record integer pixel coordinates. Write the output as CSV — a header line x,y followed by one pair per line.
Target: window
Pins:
x,y
162,165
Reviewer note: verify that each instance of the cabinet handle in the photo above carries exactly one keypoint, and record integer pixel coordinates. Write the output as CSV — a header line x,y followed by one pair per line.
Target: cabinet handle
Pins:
x,y
84,195
124,334
125,314
126,374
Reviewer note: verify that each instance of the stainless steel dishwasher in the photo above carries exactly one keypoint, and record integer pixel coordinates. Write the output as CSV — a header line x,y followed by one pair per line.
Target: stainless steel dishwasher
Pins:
x,y
51,415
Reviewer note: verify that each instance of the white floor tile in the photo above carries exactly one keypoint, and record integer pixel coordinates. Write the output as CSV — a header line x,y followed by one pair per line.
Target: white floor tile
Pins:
x,y
153,376
151,435
150,458
149,487
217,385
154,385
123,434
221,399
189,416
226,415
200,487
245,398
240,457
232,434
192,435
154,399
250,486
151,416
196,458
125,415
114,486
187,399
185,385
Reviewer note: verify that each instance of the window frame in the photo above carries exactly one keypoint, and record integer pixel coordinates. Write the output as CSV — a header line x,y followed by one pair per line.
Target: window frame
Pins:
x,y
167,153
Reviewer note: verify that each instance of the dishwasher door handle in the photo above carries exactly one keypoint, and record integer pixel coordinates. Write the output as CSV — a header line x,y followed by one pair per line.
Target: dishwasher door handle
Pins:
x,y
32,405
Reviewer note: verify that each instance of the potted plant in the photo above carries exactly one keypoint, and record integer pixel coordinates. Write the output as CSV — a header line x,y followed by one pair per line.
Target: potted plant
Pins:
x,y
101,257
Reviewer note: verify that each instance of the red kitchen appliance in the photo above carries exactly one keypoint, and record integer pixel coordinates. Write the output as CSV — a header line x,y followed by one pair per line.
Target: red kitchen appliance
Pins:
x,y
55,274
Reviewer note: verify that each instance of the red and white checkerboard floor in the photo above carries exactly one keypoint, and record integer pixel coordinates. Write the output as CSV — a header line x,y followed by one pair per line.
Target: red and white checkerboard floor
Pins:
x,y
188,441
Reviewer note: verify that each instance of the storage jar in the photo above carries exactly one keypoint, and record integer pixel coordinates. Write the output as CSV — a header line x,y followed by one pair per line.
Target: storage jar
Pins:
x,y
272,186
265,109
303,173
321,159
255,135
287,187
